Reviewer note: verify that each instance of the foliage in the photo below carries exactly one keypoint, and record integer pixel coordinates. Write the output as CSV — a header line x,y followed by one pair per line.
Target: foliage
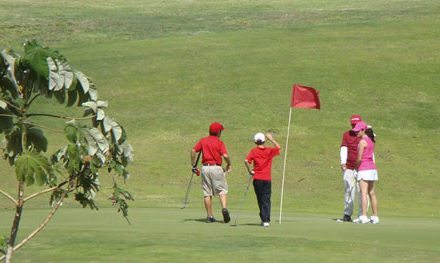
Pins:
x,y
44,73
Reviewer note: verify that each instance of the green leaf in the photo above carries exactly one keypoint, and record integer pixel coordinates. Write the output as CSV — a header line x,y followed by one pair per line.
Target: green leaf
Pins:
x,y
72,96
13,144
10,61
56,82
3,104
82,97
96,140
33,167
71,132
90,104
119,199
60,96
83,81
100,114
73,157
110,125
36,57
36,138
93,94
6,122
66,72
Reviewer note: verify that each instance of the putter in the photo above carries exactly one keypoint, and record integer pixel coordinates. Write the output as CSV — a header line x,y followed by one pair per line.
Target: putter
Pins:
x,y
185,201
242,200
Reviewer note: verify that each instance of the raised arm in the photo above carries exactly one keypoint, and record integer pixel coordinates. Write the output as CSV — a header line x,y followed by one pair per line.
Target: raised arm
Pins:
x,y
269,136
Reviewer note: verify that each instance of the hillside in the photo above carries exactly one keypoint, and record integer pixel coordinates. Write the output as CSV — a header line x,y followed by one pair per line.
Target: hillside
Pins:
x,y
169,69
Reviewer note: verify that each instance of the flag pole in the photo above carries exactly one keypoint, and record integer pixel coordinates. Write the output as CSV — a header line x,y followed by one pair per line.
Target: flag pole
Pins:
x,y
284,165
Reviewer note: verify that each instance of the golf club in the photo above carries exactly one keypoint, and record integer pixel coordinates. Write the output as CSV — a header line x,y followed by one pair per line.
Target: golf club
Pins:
x,y
185,201
242,199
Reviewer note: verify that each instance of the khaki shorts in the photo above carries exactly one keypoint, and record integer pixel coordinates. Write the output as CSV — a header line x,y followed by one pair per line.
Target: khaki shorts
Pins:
x,y
214,181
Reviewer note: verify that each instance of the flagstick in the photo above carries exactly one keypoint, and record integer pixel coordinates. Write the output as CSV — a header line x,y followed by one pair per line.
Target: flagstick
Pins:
x,y
284,165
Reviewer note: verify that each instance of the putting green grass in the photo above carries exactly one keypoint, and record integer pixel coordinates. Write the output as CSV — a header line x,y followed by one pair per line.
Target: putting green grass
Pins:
x,y
175,235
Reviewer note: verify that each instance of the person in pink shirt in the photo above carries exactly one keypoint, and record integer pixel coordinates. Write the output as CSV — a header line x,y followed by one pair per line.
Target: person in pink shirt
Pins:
x,y
366,171
260,158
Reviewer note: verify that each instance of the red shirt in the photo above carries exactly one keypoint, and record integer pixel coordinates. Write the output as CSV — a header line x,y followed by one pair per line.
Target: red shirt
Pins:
x,y
351,141
262,159
212,149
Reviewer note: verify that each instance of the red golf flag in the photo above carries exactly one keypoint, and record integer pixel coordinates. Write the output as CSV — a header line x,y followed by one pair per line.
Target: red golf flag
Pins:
x,y
305,97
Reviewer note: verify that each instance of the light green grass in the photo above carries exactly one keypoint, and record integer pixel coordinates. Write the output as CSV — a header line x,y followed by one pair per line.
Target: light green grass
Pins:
x,y
174,235
170,68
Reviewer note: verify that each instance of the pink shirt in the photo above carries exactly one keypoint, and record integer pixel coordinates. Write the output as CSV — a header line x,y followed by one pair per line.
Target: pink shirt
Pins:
x,y
367,160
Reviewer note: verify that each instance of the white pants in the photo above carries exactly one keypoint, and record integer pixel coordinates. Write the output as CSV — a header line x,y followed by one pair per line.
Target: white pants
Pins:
x,y
351,189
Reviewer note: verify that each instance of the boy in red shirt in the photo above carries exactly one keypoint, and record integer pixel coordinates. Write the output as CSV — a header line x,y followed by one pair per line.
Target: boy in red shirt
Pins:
x,y
261,159
213,176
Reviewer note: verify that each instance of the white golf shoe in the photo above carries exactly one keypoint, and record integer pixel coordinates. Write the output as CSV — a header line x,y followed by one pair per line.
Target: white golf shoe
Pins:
x,y
362,220
374,219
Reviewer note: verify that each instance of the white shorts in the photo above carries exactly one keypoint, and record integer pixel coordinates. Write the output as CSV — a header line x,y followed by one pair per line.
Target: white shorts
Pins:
x,y
367,175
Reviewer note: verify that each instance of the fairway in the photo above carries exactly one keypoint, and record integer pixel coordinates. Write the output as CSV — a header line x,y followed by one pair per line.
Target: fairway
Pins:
x,y
175,235
170,68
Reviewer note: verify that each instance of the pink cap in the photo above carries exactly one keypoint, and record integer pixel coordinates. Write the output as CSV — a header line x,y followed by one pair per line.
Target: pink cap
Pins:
x,y
216,127
360,126
355,118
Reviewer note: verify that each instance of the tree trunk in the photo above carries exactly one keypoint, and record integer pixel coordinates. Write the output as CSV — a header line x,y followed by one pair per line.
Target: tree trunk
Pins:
x,y
16,224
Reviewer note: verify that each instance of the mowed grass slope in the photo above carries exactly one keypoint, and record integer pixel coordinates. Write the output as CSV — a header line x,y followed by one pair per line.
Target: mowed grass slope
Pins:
x,y
170,68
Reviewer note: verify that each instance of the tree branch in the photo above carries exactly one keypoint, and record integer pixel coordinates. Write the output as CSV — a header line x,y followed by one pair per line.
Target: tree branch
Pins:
x,y
44,191
45,221
59,116
12,105
30,102
7,115
9,197
39,193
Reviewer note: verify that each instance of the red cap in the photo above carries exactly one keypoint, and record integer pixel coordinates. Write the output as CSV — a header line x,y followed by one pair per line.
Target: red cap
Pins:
x,y
355,119
216,127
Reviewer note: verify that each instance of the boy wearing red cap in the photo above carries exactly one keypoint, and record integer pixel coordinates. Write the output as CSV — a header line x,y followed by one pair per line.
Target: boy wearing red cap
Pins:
x,y
213,176
348,154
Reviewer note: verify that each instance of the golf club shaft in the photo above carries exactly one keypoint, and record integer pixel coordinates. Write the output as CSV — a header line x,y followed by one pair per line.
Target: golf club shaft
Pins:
x,y
185,201
243,198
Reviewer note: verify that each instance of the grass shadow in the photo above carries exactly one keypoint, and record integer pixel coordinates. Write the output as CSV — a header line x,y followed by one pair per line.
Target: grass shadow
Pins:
x,y
247,224
201,220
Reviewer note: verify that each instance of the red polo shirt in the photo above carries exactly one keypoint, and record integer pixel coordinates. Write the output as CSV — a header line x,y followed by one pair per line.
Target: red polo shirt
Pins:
x,y
212,148
262,159
351,141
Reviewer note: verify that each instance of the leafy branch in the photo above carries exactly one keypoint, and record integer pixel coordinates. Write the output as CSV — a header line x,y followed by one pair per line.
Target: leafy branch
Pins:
x,y
43,73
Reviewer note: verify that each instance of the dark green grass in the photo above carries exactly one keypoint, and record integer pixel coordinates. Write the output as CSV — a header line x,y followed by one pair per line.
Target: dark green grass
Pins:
x,y
174,235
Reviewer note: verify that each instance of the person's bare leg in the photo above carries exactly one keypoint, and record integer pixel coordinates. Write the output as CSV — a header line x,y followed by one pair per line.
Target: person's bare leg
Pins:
x,y
223,200
208,205
373,198
364,196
